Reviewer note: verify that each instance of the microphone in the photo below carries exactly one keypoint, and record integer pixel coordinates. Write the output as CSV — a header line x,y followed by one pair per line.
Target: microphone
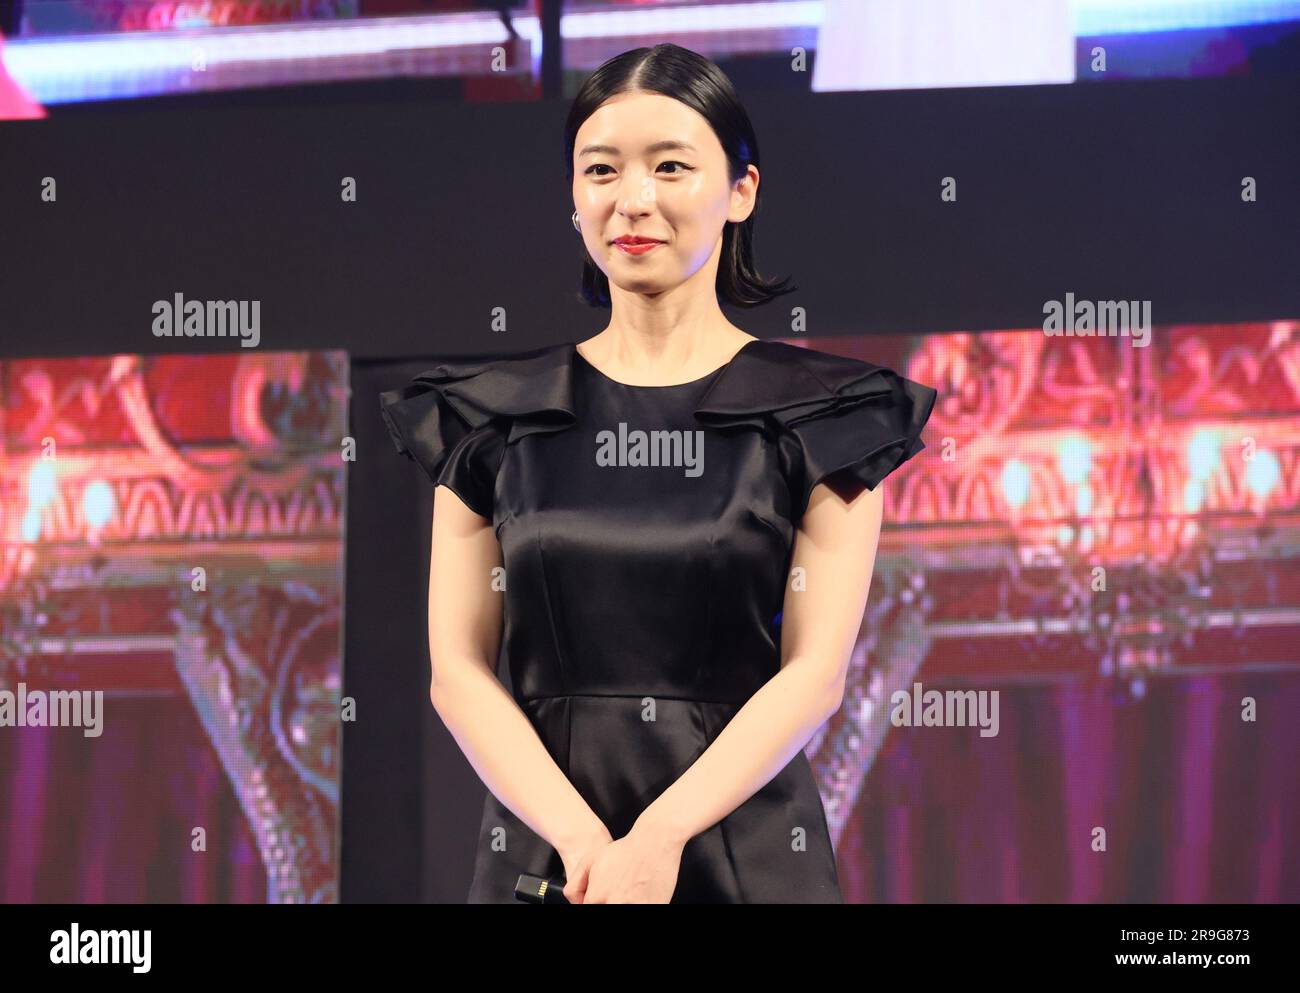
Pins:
x,y
535,889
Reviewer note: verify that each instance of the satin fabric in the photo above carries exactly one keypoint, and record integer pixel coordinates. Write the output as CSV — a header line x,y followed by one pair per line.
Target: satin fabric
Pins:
x,y
642,603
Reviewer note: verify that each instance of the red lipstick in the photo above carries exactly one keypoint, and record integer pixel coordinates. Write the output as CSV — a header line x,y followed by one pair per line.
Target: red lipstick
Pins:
x,y
635,244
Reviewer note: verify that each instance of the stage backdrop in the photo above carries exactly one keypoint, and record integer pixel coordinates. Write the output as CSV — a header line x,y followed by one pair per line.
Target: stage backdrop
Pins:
x,y
171,553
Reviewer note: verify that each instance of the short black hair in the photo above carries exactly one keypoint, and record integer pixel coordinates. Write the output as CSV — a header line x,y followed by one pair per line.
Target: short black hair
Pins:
x,y
697,82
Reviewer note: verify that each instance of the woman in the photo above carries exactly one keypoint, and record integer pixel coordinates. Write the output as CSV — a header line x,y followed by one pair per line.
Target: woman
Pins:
x,y
674,522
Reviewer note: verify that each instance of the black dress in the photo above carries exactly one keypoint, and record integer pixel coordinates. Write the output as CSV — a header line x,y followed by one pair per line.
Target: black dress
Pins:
x,y
643,593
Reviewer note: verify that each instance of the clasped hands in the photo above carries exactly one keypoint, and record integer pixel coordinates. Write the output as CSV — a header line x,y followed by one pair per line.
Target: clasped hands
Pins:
x,y
640,867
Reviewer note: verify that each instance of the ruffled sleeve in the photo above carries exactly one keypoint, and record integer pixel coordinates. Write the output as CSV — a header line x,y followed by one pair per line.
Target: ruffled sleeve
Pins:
x,y
831,415
451,450
866,432
457,419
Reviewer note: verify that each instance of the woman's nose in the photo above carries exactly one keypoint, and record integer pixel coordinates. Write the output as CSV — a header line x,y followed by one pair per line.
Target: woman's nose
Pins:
x,y
637,194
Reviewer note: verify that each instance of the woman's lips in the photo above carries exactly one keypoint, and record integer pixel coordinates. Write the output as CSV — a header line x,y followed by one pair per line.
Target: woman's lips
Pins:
x,y
636,247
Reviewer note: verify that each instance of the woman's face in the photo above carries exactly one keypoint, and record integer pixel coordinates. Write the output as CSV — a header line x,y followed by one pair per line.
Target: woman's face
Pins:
x,y
648,166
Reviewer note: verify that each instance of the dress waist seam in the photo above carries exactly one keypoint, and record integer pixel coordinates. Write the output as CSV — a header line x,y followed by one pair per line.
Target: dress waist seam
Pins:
x,y
621,696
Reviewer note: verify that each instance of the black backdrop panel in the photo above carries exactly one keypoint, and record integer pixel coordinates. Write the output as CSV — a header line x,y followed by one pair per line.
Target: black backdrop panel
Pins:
x,y
411,802
1124,190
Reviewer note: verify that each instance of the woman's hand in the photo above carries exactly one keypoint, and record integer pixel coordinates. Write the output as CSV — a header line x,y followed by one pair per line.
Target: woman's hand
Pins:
x,y
640,867
578,859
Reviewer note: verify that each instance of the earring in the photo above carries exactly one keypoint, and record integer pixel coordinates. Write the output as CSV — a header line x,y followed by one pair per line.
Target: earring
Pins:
x,y
575,221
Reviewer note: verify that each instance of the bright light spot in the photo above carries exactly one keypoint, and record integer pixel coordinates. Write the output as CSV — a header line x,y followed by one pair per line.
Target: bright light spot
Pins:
x,y
31,524
1074,458
1263,473
1203,455
1083,501
1193,496
41,485
97,504
1015,483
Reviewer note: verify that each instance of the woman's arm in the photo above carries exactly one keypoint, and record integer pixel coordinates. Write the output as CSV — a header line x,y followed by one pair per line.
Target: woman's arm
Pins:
x,y
465,618
835,547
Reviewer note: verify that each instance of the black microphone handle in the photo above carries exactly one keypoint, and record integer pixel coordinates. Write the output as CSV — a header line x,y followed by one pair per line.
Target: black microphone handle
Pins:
x,y
535,889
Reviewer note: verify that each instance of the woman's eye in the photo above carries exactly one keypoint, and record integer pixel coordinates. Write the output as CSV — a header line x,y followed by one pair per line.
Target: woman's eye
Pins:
x,y
591,170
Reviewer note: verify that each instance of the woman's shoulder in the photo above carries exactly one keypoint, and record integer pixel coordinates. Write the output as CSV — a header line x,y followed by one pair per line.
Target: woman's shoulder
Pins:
x,y
833,413
480,391
483,374
460,407
790,382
